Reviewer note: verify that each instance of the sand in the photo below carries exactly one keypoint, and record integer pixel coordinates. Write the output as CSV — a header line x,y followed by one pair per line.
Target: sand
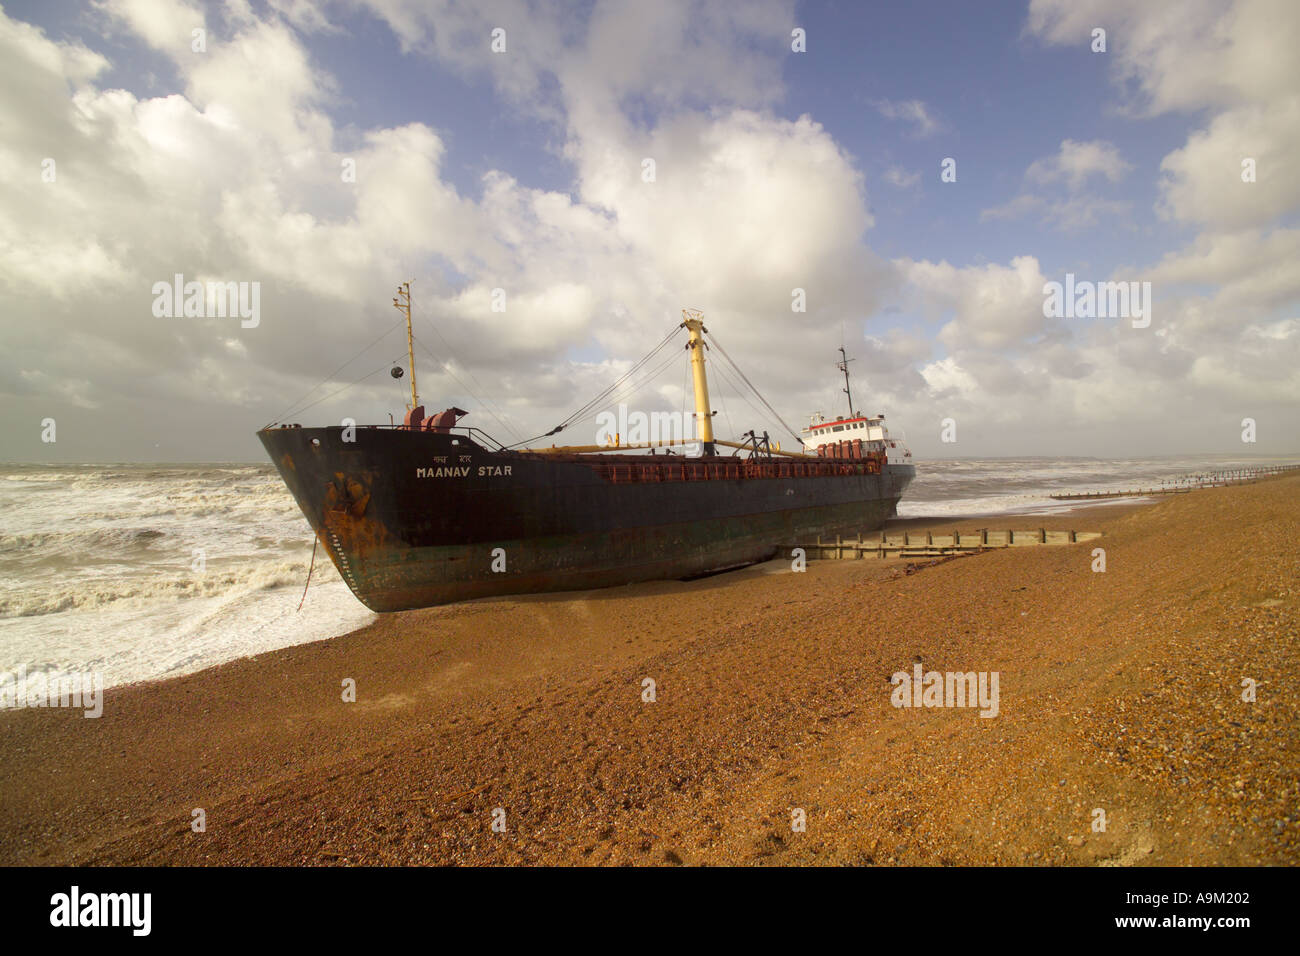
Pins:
x,y
1119,691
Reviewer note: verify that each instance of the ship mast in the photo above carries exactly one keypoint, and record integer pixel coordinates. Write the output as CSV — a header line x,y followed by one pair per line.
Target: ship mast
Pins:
x,y
843,366
403,304
694,323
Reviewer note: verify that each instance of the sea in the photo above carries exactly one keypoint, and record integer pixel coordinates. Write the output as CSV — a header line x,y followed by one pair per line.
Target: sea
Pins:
x,y
142,572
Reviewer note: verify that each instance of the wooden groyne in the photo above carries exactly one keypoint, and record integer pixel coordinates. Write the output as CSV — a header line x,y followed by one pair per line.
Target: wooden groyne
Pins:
x,y
1186,483
929,545
1137,493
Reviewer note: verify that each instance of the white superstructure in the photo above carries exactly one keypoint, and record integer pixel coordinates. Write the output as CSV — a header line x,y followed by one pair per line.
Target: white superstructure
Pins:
x,y
822,432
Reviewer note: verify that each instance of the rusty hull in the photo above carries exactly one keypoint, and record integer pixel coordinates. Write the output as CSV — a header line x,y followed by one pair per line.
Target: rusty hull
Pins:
x,y
416,518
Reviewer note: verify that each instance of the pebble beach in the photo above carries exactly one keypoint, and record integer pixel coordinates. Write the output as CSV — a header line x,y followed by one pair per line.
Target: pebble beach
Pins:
x,y
523,730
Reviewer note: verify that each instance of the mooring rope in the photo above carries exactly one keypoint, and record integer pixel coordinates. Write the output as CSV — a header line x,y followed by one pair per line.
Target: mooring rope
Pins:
x,y
314,541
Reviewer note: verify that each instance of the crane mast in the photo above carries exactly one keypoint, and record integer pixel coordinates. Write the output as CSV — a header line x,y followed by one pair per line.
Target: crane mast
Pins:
x,y
403,304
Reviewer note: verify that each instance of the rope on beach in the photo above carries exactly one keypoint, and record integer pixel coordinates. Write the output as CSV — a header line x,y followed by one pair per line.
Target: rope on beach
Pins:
x,y
314,541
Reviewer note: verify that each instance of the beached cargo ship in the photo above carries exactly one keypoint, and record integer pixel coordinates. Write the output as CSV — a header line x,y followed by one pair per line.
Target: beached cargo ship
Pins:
x,y
429,512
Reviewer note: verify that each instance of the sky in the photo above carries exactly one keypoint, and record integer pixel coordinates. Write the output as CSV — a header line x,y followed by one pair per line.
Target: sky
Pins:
x,y
560,180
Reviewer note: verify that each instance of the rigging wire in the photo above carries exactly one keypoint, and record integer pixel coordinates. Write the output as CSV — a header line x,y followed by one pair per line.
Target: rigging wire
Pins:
x,y
592,408
490,407
721,370
293,408
593,414
348,386
586,409
722,400
628,393
620,381
650,378
686,381
446,367
630,390
757,393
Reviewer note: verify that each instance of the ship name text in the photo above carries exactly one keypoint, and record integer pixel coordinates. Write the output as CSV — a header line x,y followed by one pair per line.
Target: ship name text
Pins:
x,y
463,471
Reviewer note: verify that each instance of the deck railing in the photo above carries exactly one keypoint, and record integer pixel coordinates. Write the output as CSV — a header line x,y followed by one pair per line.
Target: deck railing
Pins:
x,y
702,470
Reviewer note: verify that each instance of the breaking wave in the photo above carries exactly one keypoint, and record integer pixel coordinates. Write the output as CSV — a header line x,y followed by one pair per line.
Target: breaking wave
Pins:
x,y
99,569
144,591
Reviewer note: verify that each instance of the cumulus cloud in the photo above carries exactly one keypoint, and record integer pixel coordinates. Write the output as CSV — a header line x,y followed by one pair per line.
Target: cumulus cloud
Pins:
x,y
1235,61
914,112
1235,344
238,175
991,306
1070,214
1184,56
1253,272
166,25
1237,171
237,171
1070,168
902,178
1076,162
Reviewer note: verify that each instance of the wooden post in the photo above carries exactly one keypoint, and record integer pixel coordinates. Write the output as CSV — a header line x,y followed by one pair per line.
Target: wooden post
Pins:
x,y
984,537
1042,536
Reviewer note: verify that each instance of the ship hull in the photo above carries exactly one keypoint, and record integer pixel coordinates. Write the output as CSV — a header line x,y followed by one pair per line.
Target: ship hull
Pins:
x,y
415,518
